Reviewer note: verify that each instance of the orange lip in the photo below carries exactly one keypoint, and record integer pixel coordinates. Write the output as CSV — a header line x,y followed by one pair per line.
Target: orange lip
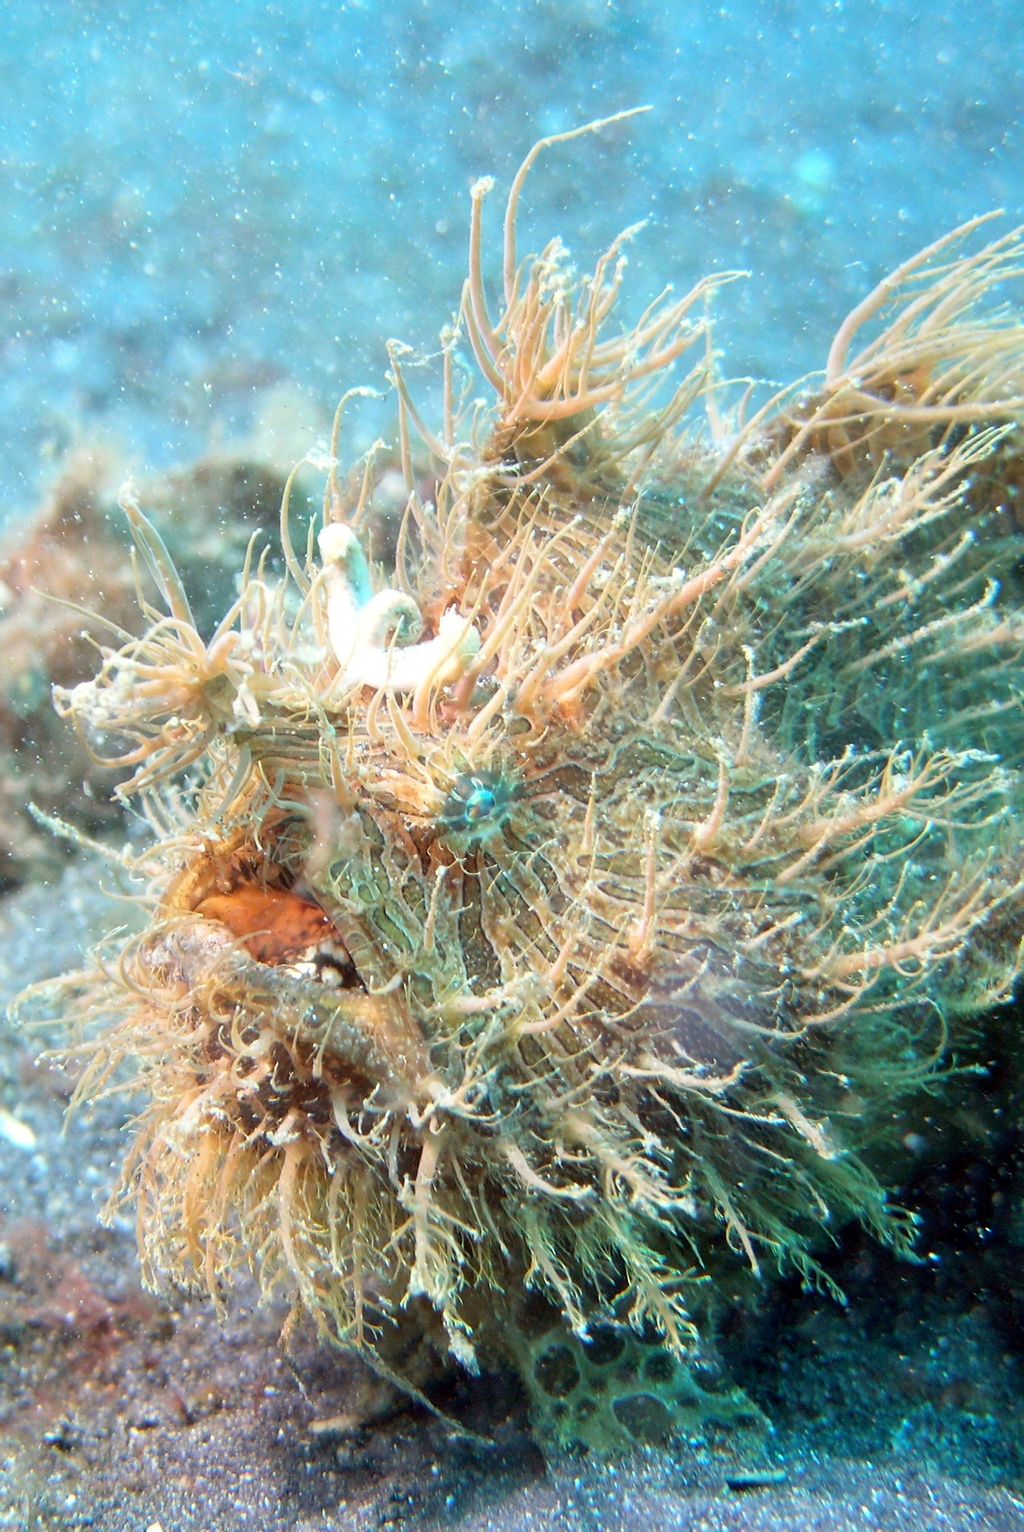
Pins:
x,y
276,926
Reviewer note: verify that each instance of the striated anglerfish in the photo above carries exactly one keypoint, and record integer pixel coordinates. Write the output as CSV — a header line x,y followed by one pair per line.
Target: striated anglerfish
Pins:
x,y
544,928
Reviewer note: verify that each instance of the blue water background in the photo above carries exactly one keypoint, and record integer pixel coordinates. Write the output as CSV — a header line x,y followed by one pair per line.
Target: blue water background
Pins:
x,y
204,204
206,207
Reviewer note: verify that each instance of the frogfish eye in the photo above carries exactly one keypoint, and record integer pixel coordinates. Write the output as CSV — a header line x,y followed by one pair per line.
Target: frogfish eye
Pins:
x,y
477,803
